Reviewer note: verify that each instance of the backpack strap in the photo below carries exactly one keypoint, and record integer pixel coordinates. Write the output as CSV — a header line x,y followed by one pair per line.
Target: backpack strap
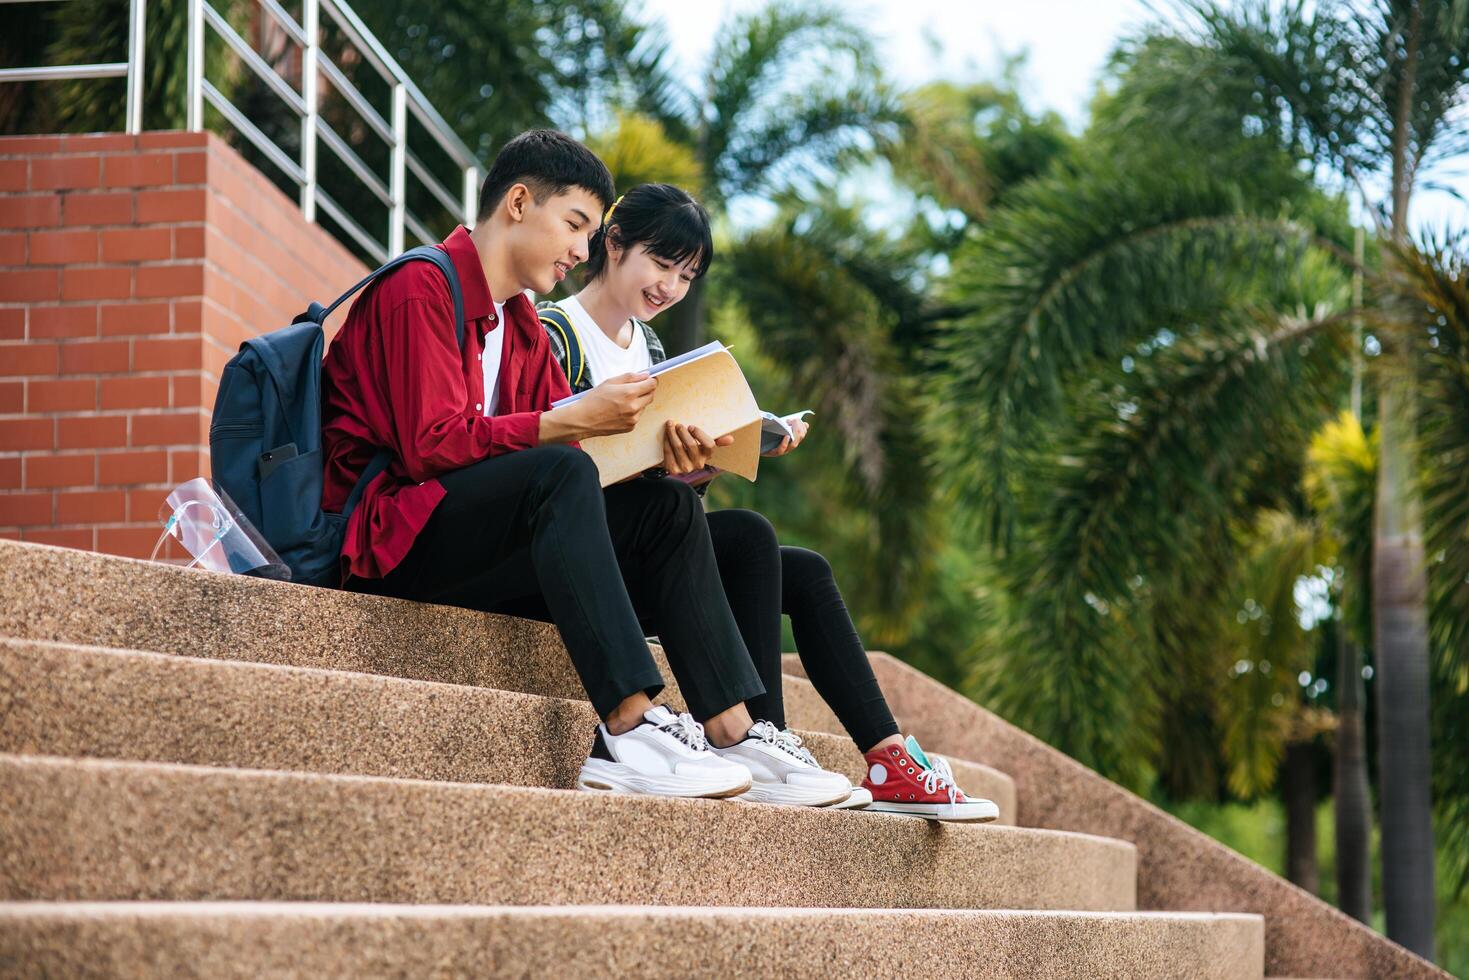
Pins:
x,y
656,353
423,253
554,318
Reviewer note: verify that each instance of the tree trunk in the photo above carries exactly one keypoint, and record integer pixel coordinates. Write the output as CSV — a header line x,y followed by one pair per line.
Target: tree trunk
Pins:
x,y
1299,789
1351,798
1400,625
682,328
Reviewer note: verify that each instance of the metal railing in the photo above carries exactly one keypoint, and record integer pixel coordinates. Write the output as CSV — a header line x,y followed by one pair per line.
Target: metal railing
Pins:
x,y
405,99
132,69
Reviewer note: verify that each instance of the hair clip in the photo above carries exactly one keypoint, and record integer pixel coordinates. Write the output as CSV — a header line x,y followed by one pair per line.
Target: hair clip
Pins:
x,y
608,216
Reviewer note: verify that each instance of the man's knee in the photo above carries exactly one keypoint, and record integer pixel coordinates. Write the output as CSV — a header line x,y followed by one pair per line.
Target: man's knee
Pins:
x,y
746,530
673,500
562,468
803,570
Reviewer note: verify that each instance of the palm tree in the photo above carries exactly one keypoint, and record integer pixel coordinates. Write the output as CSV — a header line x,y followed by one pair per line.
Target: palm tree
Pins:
x,y
789,89
1226,370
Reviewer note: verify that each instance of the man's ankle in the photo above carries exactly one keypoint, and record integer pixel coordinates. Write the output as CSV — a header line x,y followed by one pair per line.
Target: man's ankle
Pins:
x,y
628,715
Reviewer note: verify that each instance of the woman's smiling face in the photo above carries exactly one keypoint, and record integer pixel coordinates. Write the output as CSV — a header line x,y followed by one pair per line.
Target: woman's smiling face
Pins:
x,y
646,283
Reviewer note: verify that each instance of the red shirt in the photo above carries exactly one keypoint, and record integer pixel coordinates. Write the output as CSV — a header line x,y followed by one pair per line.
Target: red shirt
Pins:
x,y
394,377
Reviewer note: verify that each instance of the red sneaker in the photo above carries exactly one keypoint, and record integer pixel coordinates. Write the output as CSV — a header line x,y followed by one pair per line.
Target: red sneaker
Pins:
x,y
902,779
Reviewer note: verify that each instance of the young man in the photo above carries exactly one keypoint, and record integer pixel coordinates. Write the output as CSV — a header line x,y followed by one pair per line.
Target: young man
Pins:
x,y
489,505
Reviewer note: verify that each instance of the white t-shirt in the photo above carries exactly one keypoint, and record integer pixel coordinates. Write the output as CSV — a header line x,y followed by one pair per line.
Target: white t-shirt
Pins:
x,y
604,358
494,349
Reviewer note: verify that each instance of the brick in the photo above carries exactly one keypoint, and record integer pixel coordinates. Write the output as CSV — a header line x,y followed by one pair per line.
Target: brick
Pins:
x,y
26,509
21,434
170,280
61,395
12,247
98,142
22,360
188,242
114,208
14,175
185,464
147,391
91,507
65,173
12,325
191,168
92,432
185,429
165,139
96,282
188,316
132,467
29,285
96,357
63,321
129,542
125,319
31,211
10,472
60,471
173,205
144,504
137,245
171,354
138,170
12,397
21,145
188,391
63,247
79,538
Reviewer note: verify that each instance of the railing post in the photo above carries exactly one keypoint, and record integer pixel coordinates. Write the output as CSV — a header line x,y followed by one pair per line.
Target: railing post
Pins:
x,y
471,194
137,11
398,178
194,87
310,94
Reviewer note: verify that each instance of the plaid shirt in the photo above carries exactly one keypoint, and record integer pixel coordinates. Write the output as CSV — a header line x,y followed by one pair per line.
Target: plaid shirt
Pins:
x,y
558,349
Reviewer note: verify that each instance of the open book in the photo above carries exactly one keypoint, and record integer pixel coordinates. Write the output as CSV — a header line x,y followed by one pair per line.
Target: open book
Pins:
x,y
703,388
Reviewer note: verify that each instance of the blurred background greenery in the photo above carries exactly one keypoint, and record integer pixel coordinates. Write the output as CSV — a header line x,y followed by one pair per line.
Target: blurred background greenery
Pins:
x,y
1149,432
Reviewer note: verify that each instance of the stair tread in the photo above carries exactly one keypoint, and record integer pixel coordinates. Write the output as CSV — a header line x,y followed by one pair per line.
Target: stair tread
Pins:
x,y
100,829
300,939
74,700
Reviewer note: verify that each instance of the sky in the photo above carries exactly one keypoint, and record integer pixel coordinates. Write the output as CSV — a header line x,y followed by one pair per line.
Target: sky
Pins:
x,y
1067,42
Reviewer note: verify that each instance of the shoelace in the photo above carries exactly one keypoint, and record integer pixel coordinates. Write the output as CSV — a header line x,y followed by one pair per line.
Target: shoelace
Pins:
x,y
939,777
785,740
687,731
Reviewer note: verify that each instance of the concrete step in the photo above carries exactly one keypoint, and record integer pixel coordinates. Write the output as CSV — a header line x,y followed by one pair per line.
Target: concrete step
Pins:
x,y
83,830
65,700
80,597
222,940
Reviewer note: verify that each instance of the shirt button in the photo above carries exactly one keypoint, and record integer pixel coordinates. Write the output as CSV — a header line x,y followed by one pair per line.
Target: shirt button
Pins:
x,y
481,357
479,408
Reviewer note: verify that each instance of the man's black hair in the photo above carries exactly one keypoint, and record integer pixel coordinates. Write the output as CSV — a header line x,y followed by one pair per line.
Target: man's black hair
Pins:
x,y
547,162
663,219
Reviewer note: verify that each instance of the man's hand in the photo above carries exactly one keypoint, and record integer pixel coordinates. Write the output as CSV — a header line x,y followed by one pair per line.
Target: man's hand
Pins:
x,y
687,449
612,407
798,432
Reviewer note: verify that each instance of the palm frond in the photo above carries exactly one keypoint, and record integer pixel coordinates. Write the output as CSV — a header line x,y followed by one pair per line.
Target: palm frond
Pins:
x,y
1079,270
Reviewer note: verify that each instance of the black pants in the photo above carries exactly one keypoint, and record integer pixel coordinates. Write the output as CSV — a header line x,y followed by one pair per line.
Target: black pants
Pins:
x,y
531,533
762,579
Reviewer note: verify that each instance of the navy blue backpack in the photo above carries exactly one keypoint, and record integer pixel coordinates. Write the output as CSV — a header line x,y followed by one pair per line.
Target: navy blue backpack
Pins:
x,y
265,437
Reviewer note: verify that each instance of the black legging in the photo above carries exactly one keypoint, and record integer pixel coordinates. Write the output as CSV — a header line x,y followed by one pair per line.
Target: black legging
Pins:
x,y
762,579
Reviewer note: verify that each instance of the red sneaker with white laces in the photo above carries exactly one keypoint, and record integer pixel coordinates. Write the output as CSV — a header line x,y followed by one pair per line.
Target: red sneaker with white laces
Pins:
x,y
902,779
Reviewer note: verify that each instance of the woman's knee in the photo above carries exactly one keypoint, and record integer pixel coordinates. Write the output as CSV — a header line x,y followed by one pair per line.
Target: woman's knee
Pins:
x,y
804,571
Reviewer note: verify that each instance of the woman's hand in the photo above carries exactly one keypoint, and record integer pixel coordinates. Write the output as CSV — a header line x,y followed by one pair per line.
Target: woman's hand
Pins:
x,y
687,449
798,432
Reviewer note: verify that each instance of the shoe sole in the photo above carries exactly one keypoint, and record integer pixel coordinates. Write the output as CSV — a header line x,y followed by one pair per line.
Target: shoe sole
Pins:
x,y
780,793
612,777
975,812
850,804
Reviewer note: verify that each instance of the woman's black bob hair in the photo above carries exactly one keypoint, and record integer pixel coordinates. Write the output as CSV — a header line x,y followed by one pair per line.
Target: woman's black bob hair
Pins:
x,y
663,219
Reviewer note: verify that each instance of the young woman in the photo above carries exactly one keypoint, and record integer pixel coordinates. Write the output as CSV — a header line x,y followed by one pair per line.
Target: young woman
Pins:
x,y
654,242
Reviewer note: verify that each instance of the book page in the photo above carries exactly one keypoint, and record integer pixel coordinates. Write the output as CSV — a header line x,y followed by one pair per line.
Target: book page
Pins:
x,y
708,391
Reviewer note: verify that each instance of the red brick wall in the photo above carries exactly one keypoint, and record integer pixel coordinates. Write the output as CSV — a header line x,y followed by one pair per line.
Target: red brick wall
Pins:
x,y
131,269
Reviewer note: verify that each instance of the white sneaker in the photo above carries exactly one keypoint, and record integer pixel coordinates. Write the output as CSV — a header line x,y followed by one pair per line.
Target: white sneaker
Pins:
x,y
784,770
665,755
860,799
